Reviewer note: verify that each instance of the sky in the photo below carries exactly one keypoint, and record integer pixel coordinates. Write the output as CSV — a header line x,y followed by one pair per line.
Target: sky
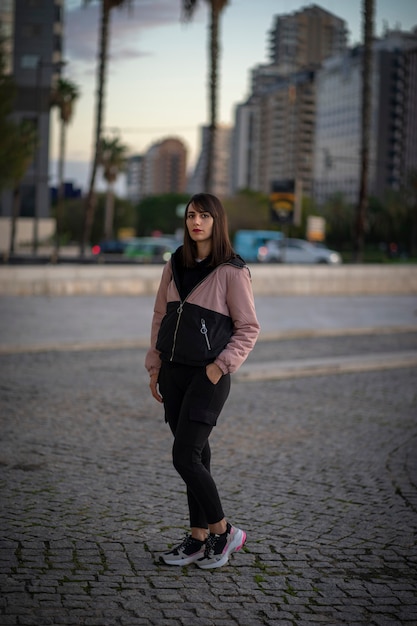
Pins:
x,y
158,68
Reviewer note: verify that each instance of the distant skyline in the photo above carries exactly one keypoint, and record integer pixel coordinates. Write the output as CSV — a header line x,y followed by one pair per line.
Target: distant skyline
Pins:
x,y
158,67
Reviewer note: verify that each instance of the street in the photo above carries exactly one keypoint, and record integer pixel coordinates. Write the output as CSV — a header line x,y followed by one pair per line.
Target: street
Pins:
x,y
321,472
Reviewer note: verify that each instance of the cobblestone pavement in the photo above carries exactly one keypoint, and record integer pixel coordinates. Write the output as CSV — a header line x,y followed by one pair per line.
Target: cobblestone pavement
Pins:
x,y
321,472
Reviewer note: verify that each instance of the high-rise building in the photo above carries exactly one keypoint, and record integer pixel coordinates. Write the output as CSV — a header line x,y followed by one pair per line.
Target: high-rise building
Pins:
x,y
171,166
274,135
274,130
243,148
303,39
221,163
393,130
134,177
7,33
35,58
410,156
163,168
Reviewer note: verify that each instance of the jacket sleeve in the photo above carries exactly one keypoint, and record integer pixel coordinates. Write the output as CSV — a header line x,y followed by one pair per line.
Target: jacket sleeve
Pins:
x,y
152,359
246,327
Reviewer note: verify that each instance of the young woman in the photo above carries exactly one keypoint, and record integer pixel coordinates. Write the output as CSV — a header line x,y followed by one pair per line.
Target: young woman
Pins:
x,y
204,326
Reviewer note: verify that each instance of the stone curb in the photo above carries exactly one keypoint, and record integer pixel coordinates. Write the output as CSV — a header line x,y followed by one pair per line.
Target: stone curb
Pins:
x,y
298,368
112,280
143,342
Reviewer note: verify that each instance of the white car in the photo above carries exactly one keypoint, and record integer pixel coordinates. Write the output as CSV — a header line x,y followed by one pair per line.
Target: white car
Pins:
x,y
296,251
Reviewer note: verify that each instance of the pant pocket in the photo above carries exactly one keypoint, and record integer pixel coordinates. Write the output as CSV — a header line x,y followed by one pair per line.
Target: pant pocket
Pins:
x,y
207,399
204,415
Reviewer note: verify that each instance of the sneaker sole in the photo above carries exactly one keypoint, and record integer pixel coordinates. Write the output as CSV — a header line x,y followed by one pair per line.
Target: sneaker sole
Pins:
x,y
186,561
235,545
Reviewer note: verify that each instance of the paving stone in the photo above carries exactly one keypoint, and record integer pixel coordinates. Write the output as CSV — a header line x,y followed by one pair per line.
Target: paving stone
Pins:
x,y
319,471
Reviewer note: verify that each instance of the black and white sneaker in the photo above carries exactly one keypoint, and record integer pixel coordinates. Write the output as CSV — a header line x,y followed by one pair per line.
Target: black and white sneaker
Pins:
x,y
219,547
188,551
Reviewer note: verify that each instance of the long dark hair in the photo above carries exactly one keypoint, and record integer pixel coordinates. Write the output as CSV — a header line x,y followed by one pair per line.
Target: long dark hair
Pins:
x,y
221,249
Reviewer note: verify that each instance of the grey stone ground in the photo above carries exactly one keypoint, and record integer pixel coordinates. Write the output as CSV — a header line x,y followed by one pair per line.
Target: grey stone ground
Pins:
x,y
320,471
33,321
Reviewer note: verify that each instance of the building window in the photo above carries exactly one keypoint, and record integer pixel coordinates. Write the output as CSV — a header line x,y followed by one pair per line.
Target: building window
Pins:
x,y
27,200
57,43
30,31
29,61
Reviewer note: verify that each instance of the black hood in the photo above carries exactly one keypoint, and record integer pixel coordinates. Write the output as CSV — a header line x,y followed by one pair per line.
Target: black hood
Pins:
x,y
176,259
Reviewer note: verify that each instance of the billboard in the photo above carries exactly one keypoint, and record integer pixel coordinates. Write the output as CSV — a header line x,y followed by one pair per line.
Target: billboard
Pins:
x,y
316,228
284,200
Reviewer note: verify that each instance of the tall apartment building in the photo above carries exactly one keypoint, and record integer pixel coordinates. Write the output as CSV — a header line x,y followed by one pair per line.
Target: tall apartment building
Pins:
x,y
274,130
221,162
171,166
162,169
35,50
134,177
7,33
243,148
393,132
286,132
304,38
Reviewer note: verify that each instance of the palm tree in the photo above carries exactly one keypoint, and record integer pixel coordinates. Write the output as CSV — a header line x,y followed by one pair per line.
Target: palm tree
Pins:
x,y
23,152
216,7
112,157
63,97
106,8
361,209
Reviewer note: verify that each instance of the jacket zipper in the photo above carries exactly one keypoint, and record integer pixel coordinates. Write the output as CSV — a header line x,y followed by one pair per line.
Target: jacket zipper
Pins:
x,y
204,331
179,311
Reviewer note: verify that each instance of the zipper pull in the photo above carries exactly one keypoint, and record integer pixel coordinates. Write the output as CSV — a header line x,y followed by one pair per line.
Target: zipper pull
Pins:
x,y
204,331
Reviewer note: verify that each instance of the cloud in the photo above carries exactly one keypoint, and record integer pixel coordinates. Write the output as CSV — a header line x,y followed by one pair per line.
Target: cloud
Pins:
x,y
82,27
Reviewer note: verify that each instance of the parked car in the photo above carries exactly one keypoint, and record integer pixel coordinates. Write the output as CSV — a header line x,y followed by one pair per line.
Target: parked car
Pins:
x,y
296,251
247,242
151,249
110,251
113,246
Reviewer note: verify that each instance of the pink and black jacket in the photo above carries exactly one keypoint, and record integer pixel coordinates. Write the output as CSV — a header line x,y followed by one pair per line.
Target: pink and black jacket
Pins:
x,y
216,322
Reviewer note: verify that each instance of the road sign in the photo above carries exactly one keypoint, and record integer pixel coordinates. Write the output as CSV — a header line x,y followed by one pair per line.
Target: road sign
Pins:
x,y
282,201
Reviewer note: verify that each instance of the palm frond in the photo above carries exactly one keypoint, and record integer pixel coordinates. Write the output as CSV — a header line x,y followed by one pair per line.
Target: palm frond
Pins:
x,y
188,8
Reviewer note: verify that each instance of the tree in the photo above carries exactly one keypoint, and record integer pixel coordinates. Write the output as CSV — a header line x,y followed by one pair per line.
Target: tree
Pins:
x,y
248,209
25,140
112,157
338,214
64,96
73,218
106,8
216,7
159,213
361,209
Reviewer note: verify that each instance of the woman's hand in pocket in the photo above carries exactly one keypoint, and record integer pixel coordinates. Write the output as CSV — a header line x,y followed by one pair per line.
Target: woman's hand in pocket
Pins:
x,y
213,373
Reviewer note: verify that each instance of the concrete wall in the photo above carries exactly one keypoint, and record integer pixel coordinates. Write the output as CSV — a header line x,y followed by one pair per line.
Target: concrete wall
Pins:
x,y
24,231
267,279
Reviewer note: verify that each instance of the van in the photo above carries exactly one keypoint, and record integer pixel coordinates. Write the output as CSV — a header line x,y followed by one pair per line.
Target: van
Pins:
x,y
247,242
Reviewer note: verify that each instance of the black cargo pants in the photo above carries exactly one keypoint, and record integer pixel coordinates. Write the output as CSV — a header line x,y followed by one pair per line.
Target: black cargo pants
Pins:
x,y
192,405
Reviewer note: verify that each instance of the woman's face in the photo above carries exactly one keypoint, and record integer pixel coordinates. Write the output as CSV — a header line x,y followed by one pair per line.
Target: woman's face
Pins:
x,y
199,225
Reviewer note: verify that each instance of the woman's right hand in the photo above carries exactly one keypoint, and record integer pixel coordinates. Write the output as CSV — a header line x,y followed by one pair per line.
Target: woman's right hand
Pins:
x,y
154,387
